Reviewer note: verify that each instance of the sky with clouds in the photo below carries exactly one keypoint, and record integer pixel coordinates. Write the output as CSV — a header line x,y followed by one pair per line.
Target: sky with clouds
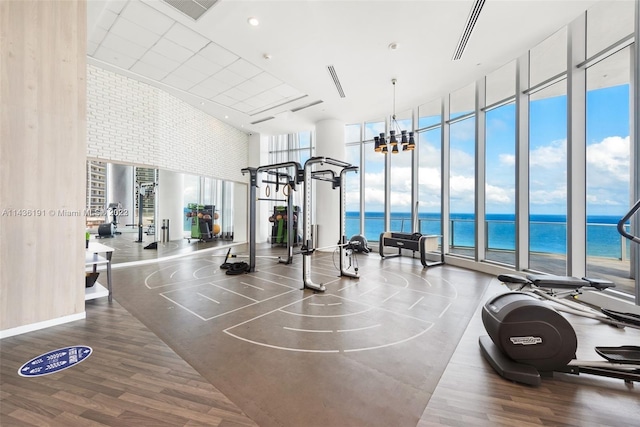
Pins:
x,y
608,155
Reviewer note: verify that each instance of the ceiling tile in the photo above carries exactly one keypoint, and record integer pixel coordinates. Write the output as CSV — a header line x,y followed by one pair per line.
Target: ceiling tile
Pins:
x,y
203,65
269,96
107,18
286,91
118,44
92,47
237,94
250,87
186,37
116,5
218,54
224,100
148,70
244,68
171,50
162,62
256,102
229,77
180,83
116,58
191,74
215,85
203,92
266,80
243,107
97,35
130,31
147,17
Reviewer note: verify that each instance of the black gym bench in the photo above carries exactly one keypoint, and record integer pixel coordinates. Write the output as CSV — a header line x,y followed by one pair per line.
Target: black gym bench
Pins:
x,y
415,242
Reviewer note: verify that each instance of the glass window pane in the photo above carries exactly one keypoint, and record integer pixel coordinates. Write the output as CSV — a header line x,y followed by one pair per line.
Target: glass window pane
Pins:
x,y
372,129
304,139
374,201
608,169
500,184
462,187
400,191
429,181
430,114
352,133
352,191
548,180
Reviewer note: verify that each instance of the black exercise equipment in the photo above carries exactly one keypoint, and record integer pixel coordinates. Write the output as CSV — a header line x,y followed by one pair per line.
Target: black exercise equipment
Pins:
x,y
360,244
106,230
557,289
528,339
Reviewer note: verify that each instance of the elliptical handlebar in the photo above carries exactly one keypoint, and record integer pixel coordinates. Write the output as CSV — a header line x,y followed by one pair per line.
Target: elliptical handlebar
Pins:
x,y
626,218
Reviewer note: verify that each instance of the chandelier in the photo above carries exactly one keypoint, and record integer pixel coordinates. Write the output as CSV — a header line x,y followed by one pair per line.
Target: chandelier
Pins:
x,y
406,138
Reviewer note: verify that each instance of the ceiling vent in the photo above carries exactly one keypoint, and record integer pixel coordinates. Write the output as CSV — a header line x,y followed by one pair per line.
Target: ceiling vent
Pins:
x,y
263,120
192,8
336,80
468,29
302,107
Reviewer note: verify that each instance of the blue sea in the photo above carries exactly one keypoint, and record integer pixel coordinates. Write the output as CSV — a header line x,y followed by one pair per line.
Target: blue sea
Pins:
x,y
548,233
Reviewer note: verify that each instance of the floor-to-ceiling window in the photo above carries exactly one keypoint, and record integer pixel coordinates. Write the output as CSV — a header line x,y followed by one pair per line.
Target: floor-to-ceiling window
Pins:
x,y
542,165
500,155
548,155
462,153
373,182
429,151
608,147
352,137
401,167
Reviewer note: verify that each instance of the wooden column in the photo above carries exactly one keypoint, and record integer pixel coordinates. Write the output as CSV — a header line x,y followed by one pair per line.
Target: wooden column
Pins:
x,y
42,163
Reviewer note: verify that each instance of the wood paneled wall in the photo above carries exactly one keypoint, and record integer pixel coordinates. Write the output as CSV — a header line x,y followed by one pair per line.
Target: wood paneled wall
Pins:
x,y
42,160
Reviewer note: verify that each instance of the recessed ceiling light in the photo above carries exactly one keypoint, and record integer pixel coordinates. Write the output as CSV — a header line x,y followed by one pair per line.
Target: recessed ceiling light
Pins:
x,y
226,117
394,46
253,21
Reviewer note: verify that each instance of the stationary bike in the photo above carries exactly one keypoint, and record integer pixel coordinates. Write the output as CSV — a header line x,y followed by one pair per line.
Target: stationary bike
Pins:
x,y
529,339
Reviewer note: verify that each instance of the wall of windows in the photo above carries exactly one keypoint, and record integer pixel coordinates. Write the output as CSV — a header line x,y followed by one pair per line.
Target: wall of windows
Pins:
x,y
474,136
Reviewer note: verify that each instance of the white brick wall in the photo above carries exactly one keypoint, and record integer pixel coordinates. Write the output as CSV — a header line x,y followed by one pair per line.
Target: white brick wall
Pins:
x,y
131,122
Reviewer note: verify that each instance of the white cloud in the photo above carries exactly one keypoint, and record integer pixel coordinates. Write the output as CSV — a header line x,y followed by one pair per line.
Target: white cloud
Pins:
x,y
550,156
507,159
498,195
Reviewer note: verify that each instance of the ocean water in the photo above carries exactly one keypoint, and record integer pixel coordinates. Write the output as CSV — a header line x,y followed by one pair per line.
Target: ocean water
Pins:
x,y
547,232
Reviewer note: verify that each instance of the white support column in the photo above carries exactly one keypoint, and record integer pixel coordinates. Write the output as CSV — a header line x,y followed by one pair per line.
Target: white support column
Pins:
x,y
576,150
329,143
415,167
635,153
170,203
522,163
480,190
258,156
446,170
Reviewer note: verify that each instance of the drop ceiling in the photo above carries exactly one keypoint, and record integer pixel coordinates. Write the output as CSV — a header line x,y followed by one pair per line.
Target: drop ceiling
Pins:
x,y
312,60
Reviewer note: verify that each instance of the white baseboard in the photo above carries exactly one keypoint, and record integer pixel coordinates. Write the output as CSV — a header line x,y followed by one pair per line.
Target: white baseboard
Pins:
x,y
41,325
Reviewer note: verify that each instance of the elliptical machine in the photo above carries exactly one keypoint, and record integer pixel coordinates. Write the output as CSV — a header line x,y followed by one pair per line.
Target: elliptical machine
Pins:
x,y
529,339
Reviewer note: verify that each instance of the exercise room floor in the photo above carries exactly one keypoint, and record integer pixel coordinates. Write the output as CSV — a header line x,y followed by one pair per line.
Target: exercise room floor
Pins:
x,y
397,347
367,352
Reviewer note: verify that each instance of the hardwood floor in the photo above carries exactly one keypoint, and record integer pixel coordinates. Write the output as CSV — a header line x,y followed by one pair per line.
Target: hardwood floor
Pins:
x,y
470,393
131,379
135,379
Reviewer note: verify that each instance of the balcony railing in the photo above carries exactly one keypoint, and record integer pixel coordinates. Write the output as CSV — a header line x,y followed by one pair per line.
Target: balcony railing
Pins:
x,y
603,239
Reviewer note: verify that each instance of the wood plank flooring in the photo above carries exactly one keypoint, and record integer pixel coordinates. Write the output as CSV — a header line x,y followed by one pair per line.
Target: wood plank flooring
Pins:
x,y
135,379
131,379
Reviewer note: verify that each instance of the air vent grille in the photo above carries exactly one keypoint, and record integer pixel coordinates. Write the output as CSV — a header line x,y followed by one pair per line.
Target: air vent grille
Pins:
x,y
302,107
336,80
468,29
262,120
192,8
